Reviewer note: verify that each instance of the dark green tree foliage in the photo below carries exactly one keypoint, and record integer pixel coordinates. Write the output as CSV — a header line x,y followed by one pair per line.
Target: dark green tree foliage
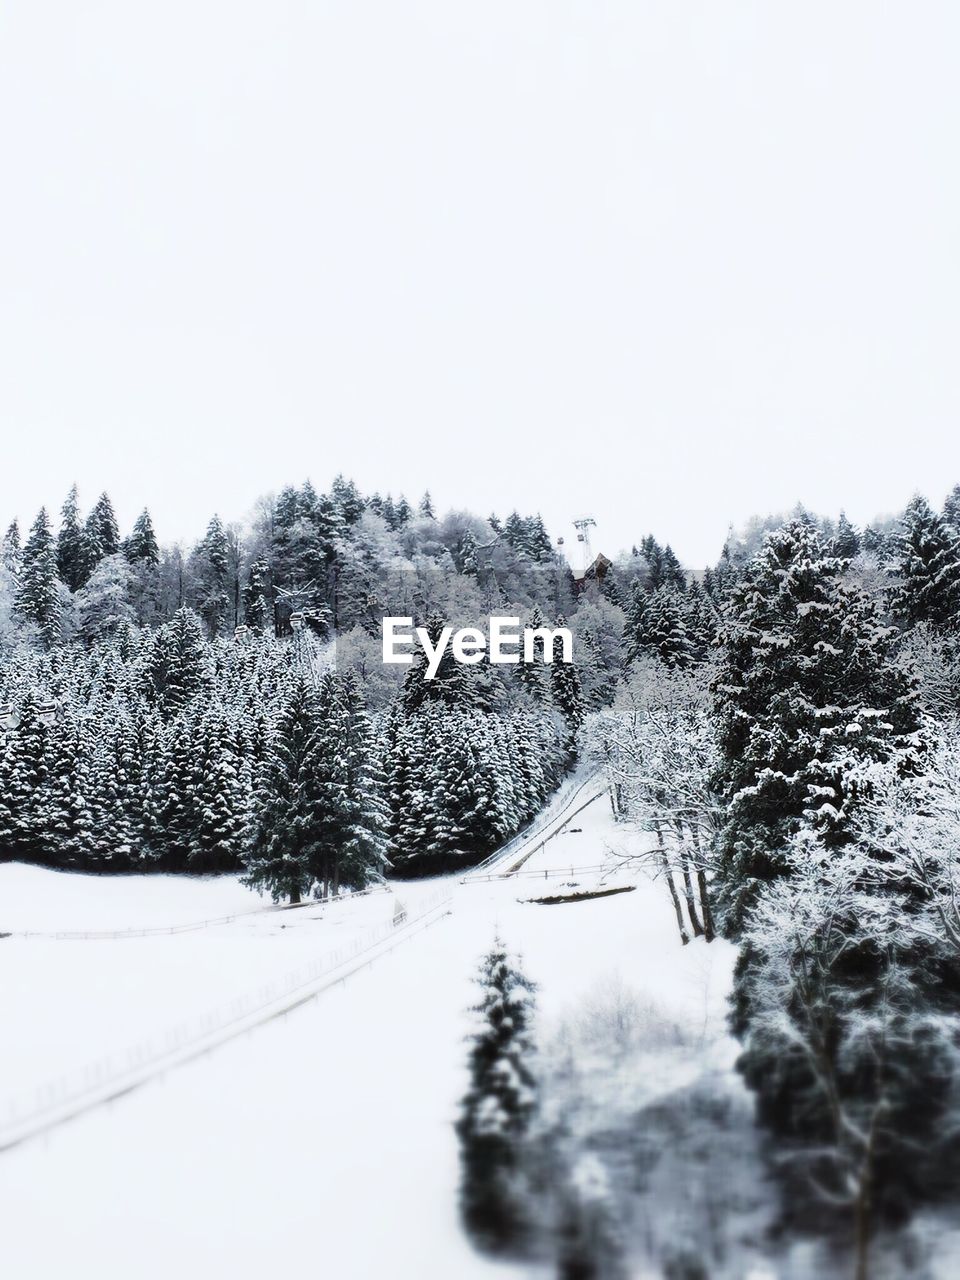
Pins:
x,y
142,545
951,508
425,508
38,593
808,691
498,1109
926,565
72,557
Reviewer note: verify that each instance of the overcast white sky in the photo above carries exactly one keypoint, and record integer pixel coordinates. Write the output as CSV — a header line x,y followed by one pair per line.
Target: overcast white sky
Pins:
x,y
667,263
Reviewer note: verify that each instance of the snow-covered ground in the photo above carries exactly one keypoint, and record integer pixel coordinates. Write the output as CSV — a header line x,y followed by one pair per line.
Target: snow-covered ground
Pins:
x,y
322,1138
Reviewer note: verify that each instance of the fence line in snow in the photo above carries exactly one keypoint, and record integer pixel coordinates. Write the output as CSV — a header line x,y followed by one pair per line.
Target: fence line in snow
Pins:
x,y
159,931
561,804
115,1073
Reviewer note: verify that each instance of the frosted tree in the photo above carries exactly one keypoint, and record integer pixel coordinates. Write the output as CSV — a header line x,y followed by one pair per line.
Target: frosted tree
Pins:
x,y
499,1107
101,533
10,550
565,689
72,557
658,746
178,664
853,1064
846,540
212,565
926,565
103,602
657,627
288,839
38,593
807,690
142,545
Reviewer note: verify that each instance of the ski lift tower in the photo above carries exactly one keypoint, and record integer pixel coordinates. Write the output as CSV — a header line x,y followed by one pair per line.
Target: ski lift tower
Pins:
x,y
583,527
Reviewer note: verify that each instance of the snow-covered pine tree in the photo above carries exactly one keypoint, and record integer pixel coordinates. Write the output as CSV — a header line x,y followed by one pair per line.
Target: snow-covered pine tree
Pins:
x,y
101,534
346,498
926,566
71,821
657,627
951,508
72,558
178,663
25,816
142,545
808,692
565,690
425,509
219,834
11,555
499,1107
351,795
38,591
212,561
846,540
257,609
288,837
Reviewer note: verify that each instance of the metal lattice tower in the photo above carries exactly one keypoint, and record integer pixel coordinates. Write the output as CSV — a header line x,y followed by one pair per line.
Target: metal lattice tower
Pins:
x,y
583,526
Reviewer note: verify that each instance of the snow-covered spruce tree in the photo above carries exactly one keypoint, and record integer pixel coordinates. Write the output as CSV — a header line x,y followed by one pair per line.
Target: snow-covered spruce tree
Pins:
x,y
951,508
257,610
11,554
284,848
38,592
566,691
101,534
25,818
319,814
219,833
846,540
807,691
70,834
925,563
178,664
657,627
142,545
72,559
498,1109
351,812
211,562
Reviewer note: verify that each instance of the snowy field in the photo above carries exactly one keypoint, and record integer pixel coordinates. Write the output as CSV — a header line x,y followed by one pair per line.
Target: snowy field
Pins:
x,y
323,1137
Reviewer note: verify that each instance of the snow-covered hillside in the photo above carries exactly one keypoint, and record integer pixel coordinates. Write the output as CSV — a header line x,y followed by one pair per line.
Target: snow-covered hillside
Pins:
x,y
326,1132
